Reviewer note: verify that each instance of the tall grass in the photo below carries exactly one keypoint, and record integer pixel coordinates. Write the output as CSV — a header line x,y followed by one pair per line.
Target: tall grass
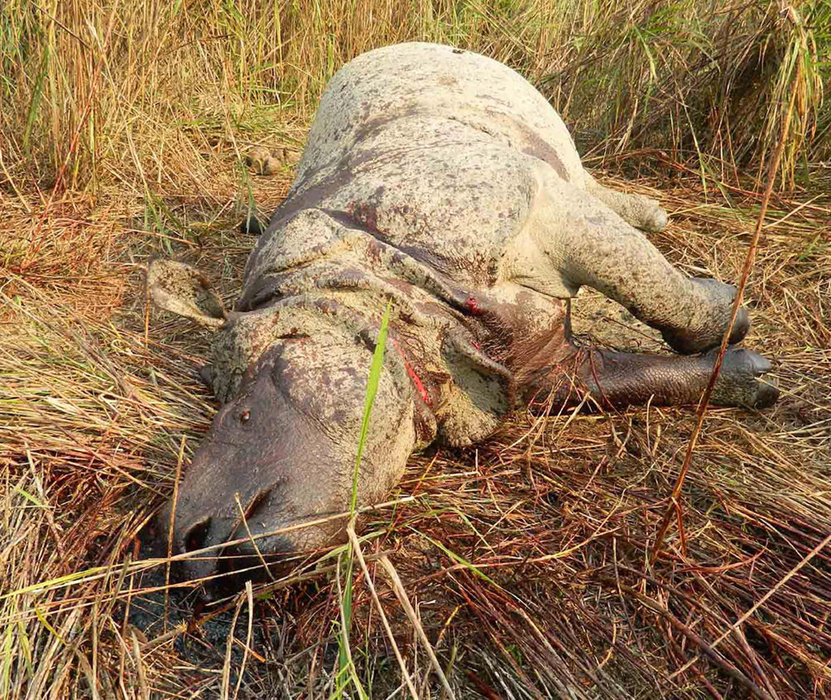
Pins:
x,y
102,91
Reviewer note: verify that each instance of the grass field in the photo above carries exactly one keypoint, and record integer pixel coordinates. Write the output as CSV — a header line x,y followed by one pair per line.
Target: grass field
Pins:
x,y
526,560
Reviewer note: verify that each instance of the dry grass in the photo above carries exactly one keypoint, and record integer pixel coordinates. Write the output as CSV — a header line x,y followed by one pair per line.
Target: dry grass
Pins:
x,y
91,89
526,560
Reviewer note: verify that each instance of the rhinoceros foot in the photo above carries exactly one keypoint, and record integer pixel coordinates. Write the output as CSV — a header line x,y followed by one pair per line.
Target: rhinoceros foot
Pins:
x,y
740,381
719,299
655,217
642,212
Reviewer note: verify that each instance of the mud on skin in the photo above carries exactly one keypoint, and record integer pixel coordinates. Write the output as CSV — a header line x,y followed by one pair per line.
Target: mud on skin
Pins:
x,y
442,182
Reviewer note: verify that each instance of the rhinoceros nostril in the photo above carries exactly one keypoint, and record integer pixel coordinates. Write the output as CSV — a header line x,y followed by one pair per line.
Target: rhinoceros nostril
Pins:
x,y
197,535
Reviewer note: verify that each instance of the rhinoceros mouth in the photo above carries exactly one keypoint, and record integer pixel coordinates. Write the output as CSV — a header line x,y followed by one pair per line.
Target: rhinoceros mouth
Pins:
x,y
226,552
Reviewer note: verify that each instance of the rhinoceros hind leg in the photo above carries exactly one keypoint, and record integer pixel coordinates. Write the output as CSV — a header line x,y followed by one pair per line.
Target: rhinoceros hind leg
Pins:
x,y
620,379
635,209
590,244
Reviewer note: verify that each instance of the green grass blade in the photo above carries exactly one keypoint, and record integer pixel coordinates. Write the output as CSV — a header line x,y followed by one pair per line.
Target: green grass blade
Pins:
x,y
345,666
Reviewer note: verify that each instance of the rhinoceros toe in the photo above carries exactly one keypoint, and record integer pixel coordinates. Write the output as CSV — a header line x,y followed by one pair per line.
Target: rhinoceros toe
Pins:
x,y
741,382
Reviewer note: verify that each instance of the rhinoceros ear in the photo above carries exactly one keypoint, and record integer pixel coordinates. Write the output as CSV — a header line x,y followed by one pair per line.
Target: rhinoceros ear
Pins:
x,y
185,291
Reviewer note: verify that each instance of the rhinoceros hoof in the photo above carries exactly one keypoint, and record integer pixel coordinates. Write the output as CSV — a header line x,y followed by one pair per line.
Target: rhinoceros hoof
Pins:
x,y
688,341
740,384
655,220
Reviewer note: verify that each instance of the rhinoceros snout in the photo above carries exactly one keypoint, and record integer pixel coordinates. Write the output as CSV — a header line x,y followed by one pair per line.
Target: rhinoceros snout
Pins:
x,y
223,551
197,546
257,486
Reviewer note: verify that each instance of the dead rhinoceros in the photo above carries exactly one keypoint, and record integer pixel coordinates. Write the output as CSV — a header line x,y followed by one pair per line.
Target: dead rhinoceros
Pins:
x,y
441,181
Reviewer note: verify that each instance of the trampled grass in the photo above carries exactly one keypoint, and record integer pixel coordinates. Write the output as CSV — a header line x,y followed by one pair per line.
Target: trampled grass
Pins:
x,y
516,569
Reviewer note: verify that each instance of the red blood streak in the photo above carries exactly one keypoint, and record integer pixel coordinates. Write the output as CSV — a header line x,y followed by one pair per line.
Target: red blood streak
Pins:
x,y
420,388
472,305
422,392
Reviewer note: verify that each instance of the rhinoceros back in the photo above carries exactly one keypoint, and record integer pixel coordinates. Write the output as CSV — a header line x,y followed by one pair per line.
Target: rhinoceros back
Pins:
x,y
395,81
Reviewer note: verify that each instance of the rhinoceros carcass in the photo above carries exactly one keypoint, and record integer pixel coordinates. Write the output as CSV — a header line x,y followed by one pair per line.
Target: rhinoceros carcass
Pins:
x,y
441,182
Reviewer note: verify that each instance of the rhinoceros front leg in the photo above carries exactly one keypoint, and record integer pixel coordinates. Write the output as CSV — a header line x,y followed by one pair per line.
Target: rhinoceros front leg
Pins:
x,y
635,209
588,243
617,379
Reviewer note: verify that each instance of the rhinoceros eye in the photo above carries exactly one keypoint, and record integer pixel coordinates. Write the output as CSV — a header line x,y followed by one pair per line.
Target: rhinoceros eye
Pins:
x,y
245,416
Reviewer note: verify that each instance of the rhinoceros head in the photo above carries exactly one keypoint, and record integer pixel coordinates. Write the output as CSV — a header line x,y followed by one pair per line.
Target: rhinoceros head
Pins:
x,y
239,500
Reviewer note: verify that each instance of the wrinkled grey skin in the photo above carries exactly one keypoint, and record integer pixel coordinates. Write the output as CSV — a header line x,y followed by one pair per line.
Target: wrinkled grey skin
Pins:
x,y
441,181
